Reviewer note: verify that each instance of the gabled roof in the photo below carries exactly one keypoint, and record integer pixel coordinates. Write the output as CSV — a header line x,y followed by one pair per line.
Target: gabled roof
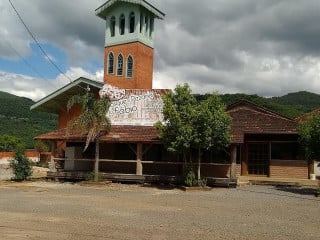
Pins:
x,y
250,118
102,10
244,102
54,102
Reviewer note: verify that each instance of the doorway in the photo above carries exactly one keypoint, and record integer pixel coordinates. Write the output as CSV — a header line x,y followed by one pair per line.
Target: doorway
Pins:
x,y
258,159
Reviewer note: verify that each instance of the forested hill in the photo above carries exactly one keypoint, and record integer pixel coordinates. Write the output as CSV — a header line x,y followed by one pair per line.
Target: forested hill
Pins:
x,y
16,119
291,105
304,101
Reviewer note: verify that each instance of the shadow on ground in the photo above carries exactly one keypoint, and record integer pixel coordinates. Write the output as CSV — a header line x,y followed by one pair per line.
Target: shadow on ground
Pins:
x,y
297,190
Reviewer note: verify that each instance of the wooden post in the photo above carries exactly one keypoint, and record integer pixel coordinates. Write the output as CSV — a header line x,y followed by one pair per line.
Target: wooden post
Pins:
x,y
139,159
244,160
233,154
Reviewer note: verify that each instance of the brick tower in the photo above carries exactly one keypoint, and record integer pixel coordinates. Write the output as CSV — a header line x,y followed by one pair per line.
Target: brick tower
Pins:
x,y
128,57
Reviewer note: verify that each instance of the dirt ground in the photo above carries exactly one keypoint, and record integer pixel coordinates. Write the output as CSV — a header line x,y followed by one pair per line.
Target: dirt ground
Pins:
x,y
48,210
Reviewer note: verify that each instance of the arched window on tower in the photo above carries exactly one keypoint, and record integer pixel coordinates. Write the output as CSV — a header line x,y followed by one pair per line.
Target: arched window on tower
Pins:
x,y
110,63
141,22
112,26
120,65
146,23
130,67
132,21
151,27
122,21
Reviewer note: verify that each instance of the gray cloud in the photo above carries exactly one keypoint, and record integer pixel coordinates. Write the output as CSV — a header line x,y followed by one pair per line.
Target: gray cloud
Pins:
x,y
268,47
69,25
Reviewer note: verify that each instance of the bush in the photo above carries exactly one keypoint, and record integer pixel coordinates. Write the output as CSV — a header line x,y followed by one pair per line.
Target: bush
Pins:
x,y
90,177
189,176
21,166
190,179
9,143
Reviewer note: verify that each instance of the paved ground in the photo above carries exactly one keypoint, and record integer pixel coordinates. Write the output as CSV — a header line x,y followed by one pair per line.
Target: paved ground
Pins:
x,y
44,210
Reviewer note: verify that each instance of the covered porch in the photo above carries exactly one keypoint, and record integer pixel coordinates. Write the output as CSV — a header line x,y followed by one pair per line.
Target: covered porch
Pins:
x,y
132,152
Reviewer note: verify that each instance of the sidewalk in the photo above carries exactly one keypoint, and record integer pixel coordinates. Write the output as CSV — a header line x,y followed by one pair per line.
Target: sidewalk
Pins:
x,y
256,180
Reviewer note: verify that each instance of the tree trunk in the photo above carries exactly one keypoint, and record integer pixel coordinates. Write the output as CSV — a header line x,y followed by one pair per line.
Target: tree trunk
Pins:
x,y
199,163
96,162
233,170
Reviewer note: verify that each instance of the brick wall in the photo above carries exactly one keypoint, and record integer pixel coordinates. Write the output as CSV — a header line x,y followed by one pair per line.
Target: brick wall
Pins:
x,y
142,67
31,154
289,169
215,170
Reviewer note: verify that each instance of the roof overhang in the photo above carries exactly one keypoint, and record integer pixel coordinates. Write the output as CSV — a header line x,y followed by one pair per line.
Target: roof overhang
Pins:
x,y
117,134
57,100
104,8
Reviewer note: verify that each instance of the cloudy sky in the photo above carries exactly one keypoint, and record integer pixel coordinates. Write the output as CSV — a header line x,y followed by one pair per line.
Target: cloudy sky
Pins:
x,y
265,47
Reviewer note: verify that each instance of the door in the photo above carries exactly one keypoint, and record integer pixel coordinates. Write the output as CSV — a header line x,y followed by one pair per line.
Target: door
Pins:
x,y
258,158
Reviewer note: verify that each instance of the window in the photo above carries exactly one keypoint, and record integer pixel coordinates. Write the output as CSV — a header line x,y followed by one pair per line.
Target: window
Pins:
x,y
151,27
146,22
122,24
129,67
284,151
110,63
112,26
132,20
120,65
141,22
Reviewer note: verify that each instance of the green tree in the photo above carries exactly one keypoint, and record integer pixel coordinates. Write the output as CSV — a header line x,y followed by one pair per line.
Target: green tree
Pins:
x,y
9,143
178,111
309,132
21,165
211,127
91,122
190,124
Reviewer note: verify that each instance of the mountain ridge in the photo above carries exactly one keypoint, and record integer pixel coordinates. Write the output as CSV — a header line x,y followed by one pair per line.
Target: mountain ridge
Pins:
x,y
16,119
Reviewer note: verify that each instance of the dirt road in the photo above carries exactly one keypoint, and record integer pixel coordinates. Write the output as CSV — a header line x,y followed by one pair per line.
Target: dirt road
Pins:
x,y
44,210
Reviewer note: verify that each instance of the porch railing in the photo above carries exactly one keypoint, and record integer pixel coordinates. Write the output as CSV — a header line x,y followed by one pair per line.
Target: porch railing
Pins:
x,y
151,167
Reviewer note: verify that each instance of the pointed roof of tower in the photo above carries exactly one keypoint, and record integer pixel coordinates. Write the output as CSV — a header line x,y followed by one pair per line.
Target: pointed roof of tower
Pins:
x,y
103,9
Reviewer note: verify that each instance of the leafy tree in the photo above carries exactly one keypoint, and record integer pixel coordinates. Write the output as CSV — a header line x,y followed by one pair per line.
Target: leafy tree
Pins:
x,y
309,132
178,111
9,143
211,126
21,165
91,122
193,125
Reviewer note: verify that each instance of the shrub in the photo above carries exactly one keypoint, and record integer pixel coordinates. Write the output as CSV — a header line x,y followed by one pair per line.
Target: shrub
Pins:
x,y
189,176
21,166
90,177
190,179
9,143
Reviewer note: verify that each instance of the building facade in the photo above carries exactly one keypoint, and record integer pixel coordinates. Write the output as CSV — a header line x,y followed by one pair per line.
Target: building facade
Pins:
x,y
263,142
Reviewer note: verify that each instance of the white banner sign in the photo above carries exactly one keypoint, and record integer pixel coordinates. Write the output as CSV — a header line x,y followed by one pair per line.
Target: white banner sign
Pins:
x,y
134,106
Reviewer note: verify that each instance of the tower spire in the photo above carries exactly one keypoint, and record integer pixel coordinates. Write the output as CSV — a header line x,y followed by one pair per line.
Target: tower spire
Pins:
x,y
129,48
